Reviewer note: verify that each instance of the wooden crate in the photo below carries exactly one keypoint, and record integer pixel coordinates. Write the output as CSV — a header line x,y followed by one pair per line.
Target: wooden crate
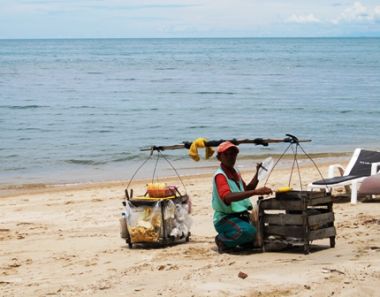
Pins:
x,y
297,217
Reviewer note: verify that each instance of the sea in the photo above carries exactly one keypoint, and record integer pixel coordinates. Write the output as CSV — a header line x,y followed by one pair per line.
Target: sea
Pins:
x,y
80,110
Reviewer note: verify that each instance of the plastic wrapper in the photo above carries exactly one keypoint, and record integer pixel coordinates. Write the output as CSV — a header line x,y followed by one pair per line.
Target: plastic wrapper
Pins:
x,y
123,227
265,169
180,226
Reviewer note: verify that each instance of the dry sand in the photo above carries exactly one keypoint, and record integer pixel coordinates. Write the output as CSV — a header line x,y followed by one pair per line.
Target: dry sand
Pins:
x,y
64,241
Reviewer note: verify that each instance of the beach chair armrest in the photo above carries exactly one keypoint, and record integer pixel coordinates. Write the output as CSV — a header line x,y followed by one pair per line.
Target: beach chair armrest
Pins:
x,y
331,170
375,168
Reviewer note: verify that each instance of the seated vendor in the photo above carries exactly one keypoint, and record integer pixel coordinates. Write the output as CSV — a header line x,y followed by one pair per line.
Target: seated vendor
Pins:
x,y
231,203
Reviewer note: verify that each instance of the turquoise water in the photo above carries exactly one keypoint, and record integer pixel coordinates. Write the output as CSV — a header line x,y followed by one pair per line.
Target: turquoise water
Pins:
x,y
79,110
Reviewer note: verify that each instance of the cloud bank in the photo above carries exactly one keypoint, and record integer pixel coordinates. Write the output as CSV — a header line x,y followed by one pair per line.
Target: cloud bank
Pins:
x,y
355,13
358,13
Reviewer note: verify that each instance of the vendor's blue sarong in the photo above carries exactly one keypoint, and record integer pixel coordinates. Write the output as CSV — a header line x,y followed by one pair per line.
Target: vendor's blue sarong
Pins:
x,y
234,231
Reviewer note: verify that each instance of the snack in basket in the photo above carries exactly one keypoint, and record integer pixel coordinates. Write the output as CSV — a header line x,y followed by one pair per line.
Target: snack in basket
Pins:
x,y
143,234
160,190
146,227
284,189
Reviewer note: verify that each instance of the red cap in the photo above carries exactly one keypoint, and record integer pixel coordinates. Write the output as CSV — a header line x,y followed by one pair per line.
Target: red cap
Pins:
x,y
225,146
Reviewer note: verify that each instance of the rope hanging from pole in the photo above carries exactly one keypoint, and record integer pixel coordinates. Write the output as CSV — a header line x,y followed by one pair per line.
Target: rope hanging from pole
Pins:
x,y
291,139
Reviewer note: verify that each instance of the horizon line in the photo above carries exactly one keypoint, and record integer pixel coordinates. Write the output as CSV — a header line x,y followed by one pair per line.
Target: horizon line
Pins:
x,y
211,37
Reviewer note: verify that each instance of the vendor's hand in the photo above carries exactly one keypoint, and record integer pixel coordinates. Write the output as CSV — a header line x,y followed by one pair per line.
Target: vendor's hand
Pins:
x,y
258,166
263,191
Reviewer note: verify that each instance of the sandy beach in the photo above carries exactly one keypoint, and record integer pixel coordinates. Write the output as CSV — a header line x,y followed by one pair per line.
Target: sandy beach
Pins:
x,y
65,241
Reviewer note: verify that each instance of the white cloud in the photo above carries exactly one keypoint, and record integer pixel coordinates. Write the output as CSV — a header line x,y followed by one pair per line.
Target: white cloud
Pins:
x,y
376,14
303,19
358,13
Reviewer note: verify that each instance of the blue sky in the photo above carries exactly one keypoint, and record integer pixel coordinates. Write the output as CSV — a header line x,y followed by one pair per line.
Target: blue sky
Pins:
x,y
193,18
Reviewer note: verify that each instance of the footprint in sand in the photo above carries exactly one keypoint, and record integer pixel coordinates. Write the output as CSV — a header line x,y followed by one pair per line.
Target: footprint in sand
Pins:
x,y
24,223
39,227
91,262
167,267
20,235
11,268
64,257
104,285
138,268
5,234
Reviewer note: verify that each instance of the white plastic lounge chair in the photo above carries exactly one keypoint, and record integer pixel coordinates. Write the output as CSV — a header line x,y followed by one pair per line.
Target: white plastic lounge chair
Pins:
x,y
363,163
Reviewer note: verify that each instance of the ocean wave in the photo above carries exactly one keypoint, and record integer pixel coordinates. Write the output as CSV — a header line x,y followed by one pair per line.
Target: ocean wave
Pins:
x,y
32,106
106,159
199,127
81,107
165,68
100,131
128,158
155,126
12,156
143,109
69,91
34,129
121,79
161,80
214,93
85,162
14,168
94,72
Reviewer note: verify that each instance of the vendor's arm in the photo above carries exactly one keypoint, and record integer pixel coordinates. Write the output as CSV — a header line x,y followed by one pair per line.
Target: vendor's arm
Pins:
x,y
227,196
232,197
253,183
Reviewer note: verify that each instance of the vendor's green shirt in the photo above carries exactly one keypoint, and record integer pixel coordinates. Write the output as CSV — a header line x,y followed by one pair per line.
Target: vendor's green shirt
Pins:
x,y
221,209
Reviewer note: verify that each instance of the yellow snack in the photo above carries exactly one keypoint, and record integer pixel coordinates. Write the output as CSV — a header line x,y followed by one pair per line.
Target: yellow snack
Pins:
x,y
147,213
156,221
142,234
284,189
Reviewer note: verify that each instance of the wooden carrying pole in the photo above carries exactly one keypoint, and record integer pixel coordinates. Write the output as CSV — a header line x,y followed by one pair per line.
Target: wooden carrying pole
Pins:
x,y
213,143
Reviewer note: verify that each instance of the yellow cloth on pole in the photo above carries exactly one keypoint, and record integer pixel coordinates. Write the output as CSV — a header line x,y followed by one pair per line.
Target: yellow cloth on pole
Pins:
x,y
199,143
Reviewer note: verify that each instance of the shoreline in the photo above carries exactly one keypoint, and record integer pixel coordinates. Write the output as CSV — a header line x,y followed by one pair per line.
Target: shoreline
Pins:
x,y
124,170
205,170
